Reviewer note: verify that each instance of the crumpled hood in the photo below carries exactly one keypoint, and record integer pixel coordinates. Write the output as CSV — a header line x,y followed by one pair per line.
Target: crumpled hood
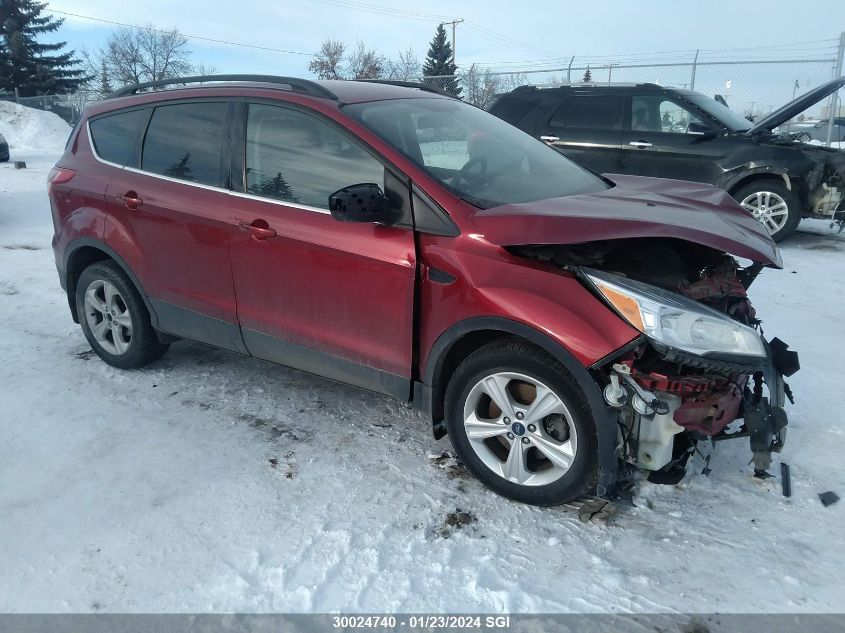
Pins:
x,y
635,207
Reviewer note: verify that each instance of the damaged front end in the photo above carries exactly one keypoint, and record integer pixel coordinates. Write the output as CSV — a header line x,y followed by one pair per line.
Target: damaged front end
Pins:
x,y
826,200
701,363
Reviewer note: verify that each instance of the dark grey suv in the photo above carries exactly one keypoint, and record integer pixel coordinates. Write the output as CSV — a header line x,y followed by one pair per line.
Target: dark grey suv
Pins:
x,y
651,130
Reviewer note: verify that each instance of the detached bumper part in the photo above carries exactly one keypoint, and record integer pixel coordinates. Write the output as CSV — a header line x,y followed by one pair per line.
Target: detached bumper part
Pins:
x,y
765,418
765,424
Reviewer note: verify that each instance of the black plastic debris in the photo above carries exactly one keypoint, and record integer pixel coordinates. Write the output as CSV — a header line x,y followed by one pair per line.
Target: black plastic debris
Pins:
x,y
828,498
785,480
19,164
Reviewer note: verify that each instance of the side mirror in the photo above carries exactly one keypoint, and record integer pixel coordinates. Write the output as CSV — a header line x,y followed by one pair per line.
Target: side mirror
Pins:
x,y
700,129
364,202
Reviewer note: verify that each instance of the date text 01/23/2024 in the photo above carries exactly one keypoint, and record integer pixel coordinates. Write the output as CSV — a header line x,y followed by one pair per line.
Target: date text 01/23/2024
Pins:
x,y
421,622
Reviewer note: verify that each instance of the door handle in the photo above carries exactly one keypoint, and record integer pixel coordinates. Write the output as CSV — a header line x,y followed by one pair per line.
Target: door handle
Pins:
x,y
549,139
640,144
259,229
130,200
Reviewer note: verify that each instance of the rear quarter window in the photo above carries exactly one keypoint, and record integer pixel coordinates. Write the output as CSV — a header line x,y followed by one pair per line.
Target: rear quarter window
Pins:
x,y
116,137
185,141
514,108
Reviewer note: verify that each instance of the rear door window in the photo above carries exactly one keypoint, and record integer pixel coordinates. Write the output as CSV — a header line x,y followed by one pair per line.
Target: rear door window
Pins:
x,y
185,141
596,112
117,137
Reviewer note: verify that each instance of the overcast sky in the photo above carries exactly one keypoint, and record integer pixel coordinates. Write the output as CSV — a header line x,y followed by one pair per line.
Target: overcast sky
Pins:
x,y
495,31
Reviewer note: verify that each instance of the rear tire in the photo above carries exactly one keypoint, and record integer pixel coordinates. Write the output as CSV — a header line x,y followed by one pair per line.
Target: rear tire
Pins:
x,y
114,318
533,440
776,207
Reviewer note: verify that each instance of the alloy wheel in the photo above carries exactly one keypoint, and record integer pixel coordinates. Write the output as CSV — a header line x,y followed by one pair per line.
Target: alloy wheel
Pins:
x,y
108,317
768,208
520,429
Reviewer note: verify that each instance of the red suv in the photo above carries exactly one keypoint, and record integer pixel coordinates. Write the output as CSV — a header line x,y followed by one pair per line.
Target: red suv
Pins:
x,y
555,323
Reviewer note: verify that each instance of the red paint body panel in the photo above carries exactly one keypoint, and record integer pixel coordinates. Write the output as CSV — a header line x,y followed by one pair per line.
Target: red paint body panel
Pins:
x,y
493,283
345,289
635,207
177,241
79,205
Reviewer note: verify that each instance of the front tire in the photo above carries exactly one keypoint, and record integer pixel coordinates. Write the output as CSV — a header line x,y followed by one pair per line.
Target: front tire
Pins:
x,y
521,424
114,318
773,205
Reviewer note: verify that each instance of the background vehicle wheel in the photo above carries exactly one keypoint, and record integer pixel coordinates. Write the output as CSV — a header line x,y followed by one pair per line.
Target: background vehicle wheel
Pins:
x,y
114,318
776,207
521,424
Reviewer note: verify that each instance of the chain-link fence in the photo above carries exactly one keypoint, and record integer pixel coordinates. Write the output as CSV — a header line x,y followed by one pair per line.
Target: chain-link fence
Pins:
x,y
68,107
751,88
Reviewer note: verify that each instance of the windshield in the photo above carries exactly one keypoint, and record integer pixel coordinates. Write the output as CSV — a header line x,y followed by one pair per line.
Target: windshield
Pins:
x,y
478,156
727,117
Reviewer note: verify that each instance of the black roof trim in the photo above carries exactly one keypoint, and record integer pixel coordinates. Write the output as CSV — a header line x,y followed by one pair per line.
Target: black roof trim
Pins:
x,y
410,84
591,84
304,86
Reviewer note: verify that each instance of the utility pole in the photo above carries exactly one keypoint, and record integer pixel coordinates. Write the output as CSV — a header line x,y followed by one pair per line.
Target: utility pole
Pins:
x,y
694,65
837,70
454,23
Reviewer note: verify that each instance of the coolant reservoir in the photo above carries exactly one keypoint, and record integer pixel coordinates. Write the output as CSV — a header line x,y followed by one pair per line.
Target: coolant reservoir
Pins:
x,y
656,436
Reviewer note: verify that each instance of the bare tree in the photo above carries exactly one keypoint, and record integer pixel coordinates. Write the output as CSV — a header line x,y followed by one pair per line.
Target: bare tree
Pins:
x,y
135,55
203,70
365,63
406,68
480,88
326,63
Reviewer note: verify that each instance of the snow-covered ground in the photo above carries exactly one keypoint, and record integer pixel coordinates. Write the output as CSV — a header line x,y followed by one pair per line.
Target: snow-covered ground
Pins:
x,y
214,482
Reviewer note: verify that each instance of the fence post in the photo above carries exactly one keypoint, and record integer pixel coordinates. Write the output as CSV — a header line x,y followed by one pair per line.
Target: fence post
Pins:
x,y
569,70
694,63
834,98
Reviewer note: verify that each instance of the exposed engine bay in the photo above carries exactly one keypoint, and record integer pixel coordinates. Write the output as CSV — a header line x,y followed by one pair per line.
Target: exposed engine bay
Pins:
x,y
670,397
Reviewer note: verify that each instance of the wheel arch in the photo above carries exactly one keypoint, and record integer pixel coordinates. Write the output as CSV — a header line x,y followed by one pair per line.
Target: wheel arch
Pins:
x,y
466,336
85,251
764,173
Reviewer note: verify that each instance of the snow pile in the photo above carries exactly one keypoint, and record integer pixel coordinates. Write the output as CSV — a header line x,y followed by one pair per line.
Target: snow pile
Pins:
x,y
29,128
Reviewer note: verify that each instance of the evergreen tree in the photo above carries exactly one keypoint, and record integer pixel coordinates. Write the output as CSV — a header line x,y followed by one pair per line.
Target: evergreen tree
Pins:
x,y
588,76
181,169
104,87
33,68
438,62
277,187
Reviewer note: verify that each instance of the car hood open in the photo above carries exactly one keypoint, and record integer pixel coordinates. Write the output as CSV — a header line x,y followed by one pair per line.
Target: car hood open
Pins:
x,y
796,106
636,207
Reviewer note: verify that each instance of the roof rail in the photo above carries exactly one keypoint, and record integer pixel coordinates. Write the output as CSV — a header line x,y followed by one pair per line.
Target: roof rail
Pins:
x,y
299,85
420,85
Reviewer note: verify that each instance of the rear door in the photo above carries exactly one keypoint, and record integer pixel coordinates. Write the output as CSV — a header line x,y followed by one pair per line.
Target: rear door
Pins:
x,y
658,141
170,218
331,298
586,127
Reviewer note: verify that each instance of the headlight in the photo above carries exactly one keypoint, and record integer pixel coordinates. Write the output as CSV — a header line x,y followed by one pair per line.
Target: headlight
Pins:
x,y
673,320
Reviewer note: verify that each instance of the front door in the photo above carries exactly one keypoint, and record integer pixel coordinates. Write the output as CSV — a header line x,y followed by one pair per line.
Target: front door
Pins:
x,y
331,298
665,139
